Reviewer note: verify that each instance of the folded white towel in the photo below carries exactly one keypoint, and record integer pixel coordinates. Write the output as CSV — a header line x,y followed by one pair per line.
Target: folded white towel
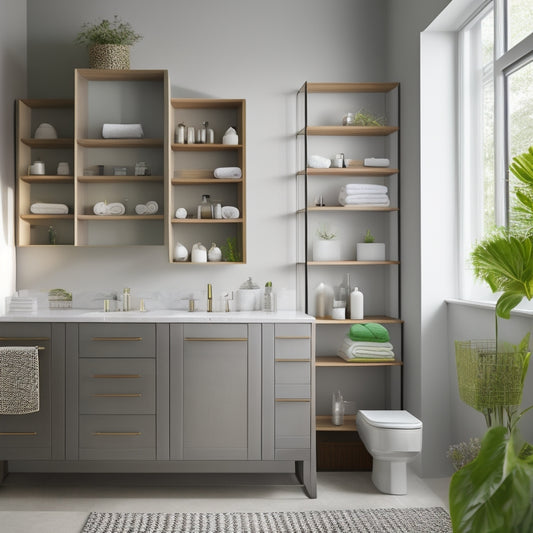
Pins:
x,y
40,208
229,211
181,212
122,131
116,208
376,162
228,172
19,380
364,199
351,188
317,161
350,349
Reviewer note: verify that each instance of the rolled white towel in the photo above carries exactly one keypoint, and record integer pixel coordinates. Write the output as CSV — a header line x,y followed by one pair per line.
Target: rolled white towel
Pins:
x,y
228,172
100,208
40,208
141,209
122,131
376,162
116,208
181,212
318,161
229,211
152,207
351,188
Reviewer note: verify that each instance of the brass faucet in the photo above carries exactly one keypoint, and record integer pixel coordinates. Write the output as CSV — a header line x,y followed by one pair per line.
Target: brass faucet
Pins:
x,y
209,298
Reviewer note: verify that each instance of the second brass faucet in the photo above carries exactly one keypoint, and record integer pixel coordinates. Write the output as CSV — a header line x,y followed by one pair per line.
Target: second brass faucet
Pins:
x,y
209,298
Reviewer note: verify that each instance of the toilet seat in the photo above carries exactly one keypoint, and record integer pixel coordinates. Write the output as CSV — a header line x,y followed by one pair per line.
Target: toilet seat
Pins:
x,y
391,419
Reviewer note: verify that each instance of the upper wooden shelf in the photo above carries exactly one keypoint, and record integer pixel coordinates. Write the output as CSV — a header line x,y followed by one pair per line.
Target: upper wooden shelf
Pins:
x,y
348,87
206,221
350,171
334,361
204,181
120,217
203,147
48,103
324,423
120,143
366,320
369,131
47,179
93,74
120,179
36,218
202,103
48,143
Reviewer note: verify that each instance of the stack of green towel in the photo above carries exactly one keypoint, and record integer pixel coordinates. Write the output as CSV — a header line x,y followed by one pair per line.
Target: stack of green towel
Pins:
x,y
366,342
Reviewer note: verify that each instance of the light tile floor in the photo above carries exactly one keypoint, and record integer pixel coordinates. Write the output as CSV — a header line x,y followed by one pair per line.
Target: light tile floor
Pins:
x,y
59,503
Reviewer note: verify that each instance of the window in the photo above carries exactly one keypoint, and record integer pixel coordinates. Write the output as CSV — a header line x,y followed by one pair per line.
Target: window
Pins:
x,y
495,119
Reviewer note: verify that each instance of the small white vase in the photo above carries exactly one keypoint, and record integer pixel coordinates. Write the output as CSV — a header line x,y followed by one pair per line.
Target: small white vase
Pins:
x,y
326,250
370,251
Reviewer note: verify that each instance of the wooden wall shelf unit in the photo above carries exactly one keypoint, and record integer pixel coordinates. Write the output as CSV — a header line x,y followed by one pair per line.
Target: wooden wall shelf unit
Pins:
x,y
321,107
189,178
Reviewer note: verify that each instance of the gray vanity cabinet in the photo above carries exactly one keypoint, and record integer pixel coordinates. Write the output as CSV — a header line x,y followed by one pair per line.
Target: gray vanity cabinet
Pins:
x,y
218,369
37,435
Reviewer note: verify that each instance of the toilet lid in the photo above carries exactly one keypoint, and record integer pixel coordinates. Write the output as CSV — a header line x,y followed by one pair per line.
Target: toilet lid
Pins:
x,y
391,419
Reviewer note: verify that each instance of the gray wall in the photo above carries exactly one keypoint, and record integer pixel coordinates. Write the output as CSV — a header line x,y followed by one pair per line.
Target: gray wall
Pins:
x,y
12,86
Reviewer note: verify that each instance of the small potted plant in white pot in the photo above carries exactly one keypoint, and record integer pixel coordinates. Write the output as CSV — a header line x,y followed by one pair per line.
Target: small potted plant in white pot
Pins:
x,y
326,247
370,250
109,43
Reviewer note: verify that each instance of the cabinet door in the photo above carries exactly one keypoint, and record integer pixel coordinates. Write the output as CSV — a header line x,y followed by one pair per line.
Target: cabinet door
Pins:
x,y
221,392
29,436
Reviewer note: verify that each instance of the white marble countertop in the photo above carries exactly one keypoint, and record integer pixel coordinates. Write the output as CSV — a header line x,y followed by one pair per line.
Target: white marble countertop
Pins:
x,y
159,315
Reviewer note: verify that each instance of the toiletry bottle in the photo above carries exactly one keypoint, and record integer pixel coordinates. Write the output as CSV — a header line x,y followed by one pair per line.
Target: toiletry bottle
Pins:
x,y
268,298
205,209
180,133
126,300
337,409
356,305
346,287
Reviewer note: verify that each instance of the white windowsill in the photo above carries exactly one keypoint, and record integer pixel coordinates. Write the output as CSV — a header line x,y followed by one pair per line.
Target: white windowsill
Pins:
x,y
488,305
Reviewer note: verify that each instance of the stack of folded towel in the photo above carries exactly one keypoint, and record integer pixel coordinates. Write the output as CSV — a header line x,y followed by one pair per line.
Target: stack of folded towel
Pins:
x,y
102,208
366,342
149,208
364,194
41,208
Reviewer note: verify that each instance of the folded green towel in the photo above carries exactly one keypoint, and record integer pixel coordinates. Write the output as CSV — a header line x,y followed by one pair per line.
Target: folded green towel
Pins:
x,y
369,333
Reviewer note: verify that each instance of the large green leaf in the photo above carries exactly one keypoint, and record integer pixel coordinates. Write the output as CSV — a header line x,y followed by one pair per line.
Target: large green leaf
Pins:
x,y
494,493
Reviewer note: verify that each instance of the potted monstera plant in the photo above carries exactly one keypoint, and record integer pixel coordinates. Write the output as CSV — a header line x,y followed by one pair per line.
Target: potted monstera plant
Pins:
x,y
494,492
109,43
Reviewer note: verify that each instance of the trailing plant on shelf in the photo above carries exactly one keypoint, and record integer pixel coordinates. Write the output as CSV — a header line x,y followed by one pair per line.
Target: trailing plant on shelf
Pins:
x,y
230,250
367,118
107,32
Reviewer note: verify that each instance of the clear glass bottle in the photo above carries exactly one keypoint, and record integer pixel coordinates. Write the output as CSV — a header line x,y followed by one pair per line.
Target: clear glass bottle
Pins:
x,y
268,298
205,209
337,409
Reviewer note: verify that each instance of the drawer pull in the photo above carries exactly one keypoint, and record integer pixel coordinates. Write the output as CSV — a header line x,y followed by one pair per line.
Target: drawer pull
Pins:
x,y
117,395
18,433
116,433
116,376
293,400
216,339
293,361
24,339
135,339
293,337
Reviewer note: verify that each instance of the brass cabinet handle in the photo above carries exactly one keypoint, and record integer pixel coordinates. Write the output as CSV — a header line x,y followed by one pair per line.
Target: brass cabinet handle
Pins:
x,y
116,433
293,400
18,433
118,395
216,339
117,339
116,376
292,360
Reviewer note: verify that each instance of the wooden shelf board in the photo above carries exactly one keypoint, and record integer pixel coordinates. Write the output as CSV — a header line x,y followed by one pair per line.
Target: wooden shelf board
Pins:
x,y
366,320
368,131
209,263
93,74
347,208
203,103
203,181
48,103
203,147
47,179
119,179
350,171
323,423
329,87
54,144
351,263
119,217
120,143
206,220
335,361
37,218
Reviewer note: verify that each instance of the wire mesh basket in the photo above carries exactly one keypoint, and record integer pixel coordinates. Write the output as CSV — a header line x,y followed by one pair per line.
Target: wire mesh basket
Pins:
x,y
488,378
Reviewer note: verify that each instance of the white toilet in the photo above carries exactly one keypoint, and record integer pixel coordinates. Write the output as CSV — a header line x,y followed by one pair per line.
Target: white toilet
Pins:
x,y
392,438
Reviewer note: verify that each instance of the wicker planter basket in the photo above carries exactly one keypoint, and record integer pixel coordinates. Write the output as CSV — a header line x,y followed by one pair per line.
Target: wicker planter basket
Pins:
x,y
109,56
488,380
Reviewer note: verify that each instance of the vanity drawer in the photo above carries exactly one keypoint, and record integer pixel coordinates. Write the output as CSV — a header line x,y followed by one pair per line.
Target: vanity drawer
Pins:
x,y
117,340
292,341
117,386
117,437
292,379
293,424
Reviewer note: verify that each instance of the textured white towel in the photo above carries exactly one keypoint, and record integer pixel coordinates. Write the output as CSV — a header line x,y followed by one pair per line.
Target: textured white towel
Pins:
x,y
229,211
40,208
317,161
181,212
351,188
19,380
122,131
350,349
227,172
376,162
116,208
149,208
364,199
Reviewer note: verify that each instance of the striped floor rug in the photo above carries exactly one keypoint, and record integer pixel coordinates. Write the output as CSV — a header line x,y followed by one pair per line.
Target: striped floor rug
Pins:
x,y
410,520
